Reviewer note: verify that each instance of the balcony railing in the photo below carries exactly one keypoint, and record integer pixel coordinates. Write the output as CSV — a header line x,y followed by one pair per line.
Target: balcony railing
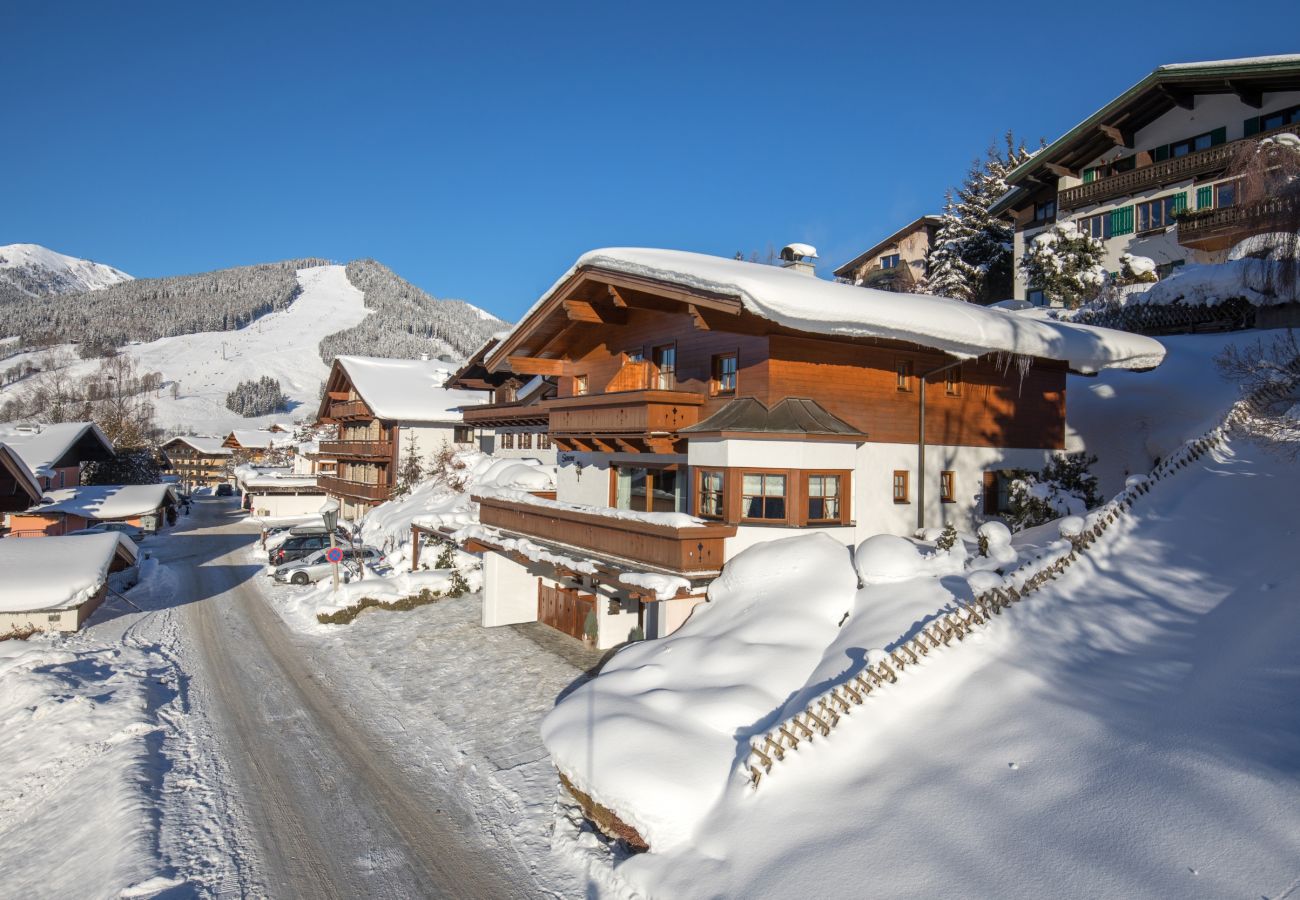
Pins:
x,y
491,415
355,450
360,490
695,550
625,413
350,409
1170,171
1218,229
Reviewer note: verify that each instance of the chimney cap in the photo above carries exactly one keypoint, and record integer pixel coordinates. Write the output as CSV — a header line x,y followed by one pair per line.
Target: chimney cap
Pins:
x,y
795,252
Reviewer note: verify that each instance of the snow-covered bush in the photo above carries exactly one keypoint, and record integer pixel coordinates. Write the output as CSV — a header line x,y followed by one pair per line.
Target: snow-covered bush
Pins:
x,y
883,558
1065,264
947,538
1065,487
1136,270
994,540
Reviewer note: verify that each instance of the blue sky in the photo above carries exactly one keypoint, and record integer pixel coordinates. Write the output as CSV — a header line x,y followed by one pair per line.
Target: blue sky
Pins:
x,y
479,149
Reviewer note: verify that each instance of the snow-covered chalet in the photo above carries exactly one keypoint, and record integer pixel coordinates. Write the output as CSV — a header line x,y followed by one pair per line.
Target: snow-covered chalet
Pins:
x,y
704,405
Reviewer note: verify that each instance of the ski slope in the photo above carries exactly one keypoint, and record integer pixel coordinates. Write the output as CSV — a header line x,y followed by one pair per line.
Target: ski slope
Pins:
x,y
281,344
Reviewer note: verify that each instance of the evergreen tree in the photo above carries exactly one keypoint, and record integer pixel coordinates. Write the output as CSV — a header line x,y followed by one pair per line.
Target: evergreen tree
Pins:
x,y
1065,264
971,258
411,471
257,398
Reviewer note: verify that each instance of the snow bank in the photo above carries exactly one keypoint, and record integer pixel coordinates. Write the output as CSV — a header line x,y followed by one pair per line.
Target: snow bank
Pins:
x,y
79,731
655,737
301,608
823,307
1249,279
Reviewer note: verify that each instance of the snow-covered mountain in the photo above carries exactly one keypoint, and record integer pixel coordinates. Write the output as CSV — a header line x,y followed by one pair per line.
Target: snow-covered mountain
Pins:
x,y
41,272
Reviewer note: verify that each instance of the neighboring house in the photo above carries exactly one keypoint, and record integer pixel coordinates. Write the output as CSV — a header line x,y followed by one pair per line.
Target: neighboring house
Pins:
x,y
1146,173
199,461
382,407
514,424
71,509
274,492
898,262
705,405
256,445
55,583
19,488
56,454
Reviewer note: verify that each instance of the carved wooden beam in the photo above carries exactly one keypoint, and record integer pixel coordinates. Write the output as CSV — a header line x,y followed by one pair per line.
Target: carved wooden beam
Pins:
x,y
1119,137
1251,96
1182,98
616,297
532,365
697,318
1062,171
586,311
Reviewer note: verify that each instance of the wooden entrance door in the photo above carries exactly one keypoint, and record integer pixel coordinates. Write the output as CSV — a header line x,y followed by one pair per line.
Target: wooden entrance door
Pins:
x,y
564,609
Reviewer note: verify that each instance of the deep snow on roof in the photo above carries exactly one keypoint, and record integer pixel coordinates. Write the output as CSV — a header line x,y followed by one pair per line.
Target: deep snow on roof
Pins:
x,y
813,305
260,439
42,446
104,501
407,390
211,446
55,572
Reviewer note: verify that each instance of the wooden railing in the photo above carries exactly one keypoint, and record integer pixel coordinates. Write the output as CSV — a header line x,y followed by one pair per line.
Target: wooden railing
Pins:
x,y
361,490
1216,229
625,413
1170,171
350,409
693,550
515,413
356,449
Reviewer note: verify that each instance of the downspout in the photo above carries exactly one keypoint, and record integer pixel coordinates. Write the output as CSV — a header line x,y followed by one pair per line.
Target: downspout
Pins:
x,y
920,444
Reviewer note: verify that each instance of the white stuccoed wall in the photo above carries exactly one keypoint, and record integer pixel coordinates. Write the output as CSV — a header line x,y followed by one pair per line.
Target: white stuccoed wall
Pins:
x,y
509,591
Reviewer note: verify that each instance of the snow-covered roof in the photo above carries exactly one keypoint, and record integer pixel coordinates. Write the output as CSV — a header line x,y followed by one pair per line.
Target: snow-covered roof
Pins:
x,y
42,446
56,572
265,480
407,390
792,299
11,462
210,446
259,439
104,501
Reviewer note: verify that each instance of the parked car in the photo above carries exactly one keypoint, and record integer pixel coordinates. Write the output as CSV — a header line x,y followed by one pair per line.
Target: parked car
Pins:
x,y
225,490
315,566
134,532
296,547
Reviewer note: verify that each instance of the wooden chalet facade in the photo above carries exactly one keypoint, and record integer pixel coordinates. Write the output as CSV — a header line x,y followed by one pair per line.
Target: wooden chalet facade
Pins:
x,y
380,408
515,424
1148,174
198,461
898,262
689,427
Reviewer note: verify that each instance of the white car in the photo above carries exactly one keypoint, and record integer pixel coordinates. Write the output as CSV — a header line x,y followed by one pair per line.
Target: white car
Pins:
x,y
315,566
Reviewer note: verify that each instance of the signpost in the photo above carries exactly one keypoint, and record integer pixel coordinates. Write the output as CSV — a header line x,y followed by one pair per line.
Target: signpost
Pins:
x,y
329,512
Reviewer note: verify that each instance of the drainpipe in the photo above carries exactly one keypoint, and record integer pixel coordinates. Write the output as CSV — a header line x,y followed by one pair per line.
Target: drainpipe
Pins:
x,y
920,444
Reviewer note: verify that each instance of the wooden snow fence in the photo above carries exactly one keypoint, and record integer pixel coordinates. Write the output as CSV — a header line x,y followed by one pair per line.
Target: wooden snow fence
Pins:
x,y
820,717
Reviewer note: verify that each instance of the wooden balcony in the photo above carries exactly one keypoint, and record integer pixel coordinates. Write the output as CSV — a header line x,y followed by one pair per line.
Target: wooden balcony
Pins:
x,y
696,550
493,415
1219,229
1156,175
623,421
350,409
366,450
357,490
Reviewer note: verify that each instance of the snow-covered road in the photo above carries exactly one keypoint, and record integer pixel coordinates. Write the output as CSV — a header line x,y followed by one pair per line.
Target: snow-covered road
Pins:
x,y
290,795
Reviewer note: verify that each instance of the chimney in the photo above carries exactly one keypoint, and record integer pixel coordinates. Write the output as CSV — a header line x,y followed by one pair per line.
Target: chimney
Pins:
x,y
799,258
424,357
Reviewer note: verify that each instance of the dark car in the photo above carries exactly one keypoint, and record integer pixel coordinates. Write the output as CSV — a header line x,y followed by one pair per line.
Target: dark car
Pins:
x,y
298,546
225,490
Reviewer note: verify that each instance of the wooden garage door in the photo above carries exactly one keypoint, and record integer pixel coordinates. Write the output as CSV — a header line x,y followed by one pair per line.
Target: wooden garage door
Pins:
x,y
564,609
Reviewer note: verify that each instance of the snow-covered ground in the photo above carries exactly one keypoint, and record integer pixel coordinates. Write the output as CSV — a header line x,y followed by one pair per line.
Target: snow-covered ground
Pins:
x,y
209,364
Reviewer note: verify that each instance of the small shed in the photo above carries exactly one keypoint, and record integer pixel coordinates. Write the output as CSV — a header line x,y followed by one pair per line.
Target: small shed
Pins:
x,y
72,509
55,583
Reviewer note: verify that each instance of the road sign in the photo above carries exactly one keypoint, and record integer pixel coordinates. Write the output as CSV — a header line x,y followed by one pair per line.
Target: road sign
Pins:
x,y
334,554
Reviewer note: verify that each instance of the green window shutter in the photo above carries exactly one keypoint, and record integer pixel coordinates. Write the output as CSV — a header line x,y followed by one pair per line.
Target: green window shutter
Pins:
x,y
1180,202
1089,175
1121,221
1218,136
1204,197
1250,126
1161,153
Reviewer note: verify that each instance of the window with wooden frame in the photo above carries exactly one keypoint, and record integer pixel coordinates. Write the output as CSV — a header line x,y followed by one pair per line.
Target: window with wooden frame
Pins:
x,y
665,362
825,495
947,486
900,485
647,488
726,373
579,385
952,382
890,261
526,441
997,491
762,496
710,493
462,434
507,440
903,374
